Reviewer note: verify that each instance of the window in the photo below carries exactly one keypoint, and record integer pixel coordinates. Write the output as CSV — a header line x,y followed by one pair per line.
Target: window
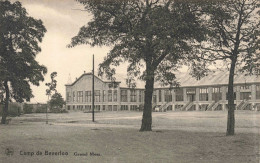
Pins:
x,y
133,107
168,96
257,91
109,107
179,94
97,107
190,91
245,95
216,90
123,95
104,96
109,95
191,94
154,97
141,96
113,85
88,96
73,96
245,87
97,95
160,95
114,107
132,96
88,107
216,94
124,107
80,96
79,107
204,94
115,96
68,97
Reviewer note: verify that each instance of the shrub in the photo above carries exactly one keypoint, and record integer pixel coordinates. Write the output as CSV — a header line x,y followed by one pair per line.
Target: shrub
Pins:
x,y
58,110
57,101
41,109
14,109
64,111
27,109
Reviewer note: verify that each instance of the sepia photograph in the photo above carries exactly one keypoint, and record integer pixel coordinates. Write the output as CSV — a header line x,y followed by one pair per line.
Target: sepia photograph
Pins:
x,y
130,81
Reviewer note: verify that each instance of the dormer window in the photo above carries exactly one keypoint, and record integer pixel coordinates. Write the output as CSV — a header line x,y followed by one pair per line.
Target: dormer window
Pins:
x,y
245,87
112,85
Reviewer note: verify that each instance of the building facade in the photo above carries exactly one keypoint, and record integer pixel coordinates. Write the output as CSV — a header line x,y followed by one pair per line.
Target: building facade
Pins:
x,y
208,94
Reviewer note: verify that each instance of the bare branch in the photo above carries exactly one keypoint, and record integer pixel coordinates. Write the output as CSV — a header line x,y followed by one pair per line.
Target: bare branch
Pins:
x,y
216,50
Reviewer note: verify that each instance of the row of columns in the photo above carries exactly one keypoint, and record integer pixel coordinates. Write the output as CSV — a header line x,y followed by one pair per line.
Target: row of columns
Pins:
x,y
223,91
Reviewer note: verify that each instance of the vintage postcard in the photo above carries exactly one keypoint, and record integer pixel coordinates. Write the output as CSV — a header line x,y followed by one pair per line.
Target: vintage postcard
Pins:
x,y
135,81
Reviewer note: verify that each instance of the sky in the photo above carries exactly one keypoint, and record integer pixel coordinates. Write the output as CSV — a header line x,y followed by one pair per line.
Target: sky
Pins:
x,y
62,20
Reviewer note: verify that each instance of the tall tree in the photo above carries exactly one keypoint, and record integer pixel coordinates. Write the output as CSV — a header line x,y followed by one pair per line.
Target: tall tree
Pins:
x,y
51,85
56,101
153,34
20,35
233,38
51,88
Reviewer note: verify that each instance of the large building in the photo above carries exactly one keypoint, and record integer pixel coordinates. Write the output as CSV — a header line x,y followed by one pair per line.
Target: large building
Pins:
x,y
207,94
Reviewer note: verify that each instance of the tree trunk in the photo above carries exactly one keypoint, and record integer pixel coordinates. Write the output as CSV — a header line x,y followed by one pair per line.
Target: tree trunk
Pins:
x,y
5,110
147,112
231,104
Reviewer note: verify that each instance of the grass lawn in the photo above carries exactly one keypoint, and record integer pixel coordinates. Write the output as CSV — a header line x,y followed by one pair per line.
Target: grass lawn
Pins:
x,y
195,137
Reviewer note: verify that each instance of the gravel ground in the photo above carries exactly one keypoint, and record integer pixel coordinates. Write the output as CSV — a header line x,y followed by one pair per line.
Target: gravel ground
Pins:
x,y
114,137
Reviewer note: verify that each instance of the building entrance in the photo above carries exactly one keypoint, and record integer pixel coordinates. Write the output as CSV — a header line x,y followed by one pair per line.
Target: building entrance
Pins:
x,y
191,92
191,97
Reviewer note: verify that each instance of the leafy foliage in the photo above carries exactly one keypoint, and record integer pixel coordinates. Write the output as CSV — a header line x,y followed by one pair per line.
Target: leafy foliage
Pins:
x,y
233,38
41,109
233,34
57,101
153,35
19,38
153,31
52,85
27,108
13,111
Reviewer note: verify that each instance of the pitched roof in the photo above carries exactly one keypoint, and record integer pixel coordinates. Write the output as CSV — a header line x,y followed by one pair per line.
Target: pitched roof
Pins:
x,y
87,74
218,77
